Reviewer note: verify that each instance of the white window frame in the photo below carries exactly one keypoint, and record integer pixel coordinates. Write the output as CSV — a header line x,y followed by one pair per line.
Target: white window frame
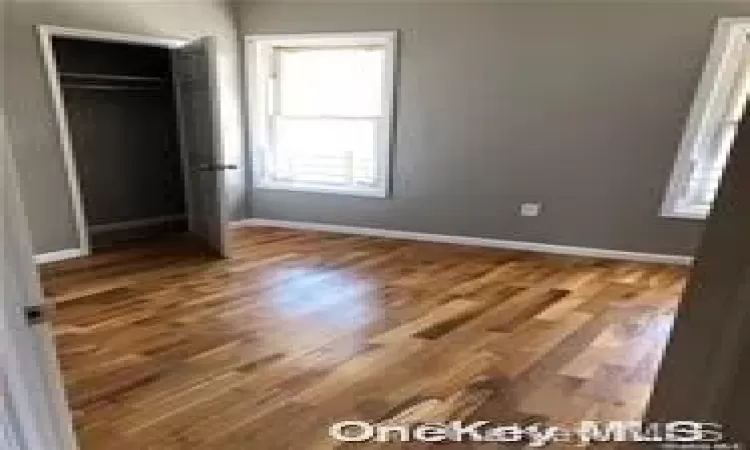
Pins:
x,y
712,98
258,49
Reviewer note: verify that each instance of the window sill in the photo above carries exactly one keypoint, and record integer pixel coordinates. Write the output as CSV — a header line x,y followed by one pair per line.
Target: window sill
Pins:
x,y
694,213
375,192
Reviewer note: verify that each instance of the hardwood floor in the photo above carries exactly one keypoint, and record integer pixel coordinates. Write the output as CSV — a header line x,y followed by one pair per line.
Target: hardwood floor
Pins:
x,y
164,348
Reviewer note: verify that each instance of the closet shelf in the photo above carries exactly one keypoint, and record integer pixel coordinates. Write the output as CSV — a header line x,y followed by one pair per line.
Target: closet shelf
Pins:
x,y
110,77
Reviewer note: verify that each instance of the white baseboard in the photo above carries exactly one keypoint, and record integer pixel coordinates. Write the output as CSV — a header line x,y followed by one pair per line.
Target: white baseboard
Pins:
x,y
43,258
471,241
137,223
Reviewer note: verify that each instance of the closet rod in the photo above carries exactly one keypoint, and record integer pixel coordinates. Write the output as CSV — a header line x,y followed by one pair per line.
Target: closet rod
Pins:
x,y
101,76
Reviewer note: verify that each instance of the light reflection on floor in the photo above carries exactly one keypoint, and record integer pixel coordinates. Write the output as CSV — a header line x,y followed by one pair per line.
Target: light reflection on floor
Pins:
x,y
307,303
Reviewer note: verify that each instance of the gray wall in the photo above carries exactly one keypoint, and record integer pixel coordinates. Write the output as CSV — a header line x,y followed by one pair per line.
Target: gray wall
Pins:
x,y
126,150
576,105
32,124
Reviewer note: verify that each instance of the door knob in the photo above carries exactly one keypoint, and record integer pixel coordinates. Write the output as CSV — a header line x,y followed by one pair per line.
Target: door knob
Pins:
x,y
35,315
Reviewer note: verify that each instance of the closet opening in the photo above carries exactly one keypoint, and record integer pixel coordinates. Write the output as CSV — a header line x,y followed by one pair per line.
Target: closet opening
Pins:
x,y
121,112
138,121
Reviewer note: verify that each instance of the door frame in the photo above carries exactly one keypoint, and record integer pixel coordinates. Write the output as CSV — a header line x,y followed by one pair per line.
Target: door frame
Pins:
x,y
46,33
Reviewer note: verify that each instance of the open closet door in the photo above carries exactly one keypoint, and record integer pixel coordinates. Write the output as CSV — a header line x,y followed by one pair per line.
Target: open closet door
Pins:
x,y
195,76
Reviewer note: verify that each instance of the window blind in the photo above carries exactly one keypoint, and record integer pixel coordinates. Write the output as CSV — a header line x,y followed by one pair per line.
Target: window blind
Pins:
x,y
325,113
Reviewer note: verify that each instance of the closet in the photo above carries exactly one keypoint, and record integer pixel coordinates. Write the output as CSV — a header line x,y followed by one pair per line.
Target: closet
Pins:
x,y
139,123
121,115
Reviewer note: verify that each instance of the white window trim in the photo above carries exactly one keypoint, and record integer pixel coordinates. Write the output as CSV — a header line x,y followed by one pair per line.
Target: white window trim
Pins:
x,y
711,99
256,58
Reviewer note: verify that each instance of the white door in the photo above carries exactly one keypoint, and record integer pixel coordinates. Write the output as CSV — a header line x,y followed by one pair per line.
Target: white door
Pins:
x,y
9,423
34,411
195,76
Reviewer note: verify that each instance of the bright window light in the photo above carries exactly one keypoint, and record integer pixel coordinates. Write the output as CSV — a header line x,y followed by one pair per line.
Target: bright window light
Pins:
x,y
322,112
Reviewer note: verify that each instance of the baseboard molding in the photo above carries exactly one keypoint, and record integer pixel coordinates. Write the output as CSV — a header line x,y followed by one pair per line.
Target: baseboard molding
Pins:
x,y
138,223
470,241
44,258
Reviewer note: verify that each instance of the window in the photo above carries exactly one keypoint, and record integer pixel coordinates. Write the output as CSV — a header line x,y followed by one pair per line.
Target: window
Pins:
x,y
322,112
712,126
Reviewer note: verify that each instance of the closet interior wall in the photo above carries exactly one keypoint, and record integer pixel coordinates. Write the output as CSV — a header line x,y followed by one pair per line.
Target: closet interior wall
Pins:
x,y
122,118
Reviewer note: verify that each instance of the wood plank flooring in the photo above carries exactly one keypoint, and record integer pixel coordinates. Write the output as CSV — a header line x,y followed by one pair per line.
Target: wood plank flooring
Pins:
x,y
164,348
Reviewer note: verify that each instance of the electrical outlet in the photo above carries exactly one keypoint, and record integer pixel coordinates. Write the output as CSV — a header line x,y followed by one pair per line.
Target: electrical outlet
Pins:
x,y
531,209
